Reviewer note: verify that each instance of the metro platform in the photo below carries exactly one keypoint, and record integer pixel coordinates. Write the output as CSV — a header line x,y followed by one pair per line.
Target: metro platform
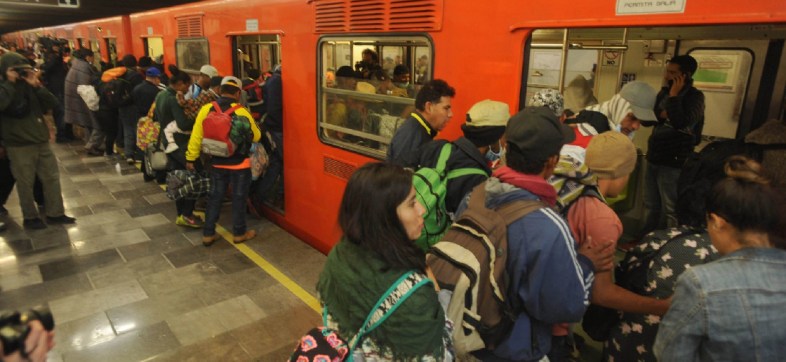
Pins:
x,y
126,284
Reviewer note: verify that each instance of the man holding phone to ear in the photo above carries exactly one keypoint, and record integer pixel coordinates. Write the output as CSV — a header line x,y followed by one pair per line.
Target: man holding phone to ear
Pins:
x,y
679,108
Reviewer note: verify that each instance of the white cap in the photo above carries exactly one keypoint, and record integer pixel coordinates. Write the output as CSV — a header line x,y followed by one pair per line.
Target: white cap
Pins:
x,y
233,81
209,70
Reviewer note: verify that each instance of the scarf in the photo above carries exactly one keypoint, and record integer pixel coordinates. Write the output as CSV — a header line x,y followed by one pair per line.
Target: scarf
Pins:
x,y
571,176
532,183
350,284
615,109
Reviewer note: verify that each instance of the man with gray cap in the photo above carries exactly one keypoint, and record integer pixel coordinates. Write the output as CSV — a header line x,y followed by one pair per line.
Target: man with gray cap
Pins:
x,y
628,108
549,281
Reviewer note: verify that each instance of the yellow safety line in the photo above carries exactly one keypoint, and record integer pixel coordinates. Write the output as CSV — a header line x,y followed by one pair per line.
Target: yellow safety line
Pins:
x,y
271,270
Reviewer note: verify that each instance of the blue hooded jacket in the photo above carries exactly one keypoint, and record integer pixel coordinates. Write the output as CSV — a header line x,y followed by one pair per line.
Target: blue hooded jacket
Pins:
x,y
548,278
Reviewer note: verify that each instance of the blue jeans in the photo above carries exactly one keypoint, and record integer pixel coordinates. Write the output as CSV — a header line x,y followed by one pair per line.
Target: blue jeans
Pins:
x,y
274,168
220,178
660,197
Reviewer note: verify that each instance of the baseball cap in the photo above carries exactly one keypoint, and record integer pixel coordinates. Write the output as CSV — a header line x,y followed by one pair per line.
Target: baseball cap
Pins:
x,y
641,98
537,133
230,80
209,70
611,155
153,72
486,121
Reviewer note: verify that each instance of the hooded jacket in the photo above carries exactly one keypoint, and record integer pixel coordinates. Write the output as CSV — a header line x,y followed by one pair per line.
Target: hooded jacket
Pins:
x,y
549,280
22,107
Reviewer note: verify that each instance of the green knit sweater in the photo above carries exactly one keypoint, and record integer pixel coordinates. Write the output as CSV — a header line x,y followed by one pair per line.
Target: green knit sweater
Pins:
x,y
351,283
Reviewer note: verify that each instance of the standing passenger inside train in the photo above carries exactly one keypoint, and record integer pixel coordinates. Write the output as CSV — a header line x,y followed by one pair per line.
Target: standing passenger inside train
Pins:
x,y
733,309
233,171
168,110
680,111
626,109
380,217
433,111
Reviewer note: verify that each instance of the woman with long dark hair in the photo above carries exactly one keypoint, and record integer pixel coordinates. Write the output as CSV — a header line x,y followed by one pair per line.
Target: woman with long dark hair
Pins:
x,y
380,217
733,309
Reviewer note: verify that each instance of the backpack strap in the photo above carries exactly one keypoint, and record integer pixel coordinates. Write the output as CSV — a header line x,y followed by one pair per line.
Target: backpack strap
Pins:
x,y
442,161
231,110
460,172
514,210
396,294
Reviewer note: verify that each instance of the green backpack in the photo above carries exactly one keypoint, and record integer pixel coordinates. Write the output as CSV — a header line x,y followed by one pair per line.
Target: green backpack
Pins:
x,y
430,189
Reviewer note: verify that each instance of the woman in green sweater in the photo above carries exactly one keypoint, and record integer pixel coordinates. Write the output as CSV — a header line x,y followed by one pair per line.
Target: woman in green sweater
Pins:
x,y
380,218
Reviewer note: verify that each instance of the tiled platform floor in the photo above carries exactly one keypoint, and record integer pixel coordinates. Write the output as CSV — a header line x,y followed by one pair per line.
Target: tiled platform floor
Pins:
x,y
126,284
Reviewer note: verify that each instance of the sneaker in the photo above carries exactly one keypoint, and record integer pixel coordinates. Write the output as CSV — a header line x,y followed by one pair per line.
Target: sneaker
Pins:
x,y
62,219
171,147
130,161
209,240
95,152
35,224
250,234
192,222
2,226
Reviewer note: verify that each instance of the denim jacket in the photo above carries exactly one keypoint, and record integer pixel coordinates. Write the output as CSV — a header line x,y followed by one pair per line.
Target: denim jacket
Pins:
x,y
733,309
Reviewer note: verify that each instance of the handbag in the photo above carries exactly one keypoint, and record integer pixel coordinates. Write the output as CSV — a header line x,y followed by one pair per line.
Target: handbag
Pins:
x,y
259,160
89,96
324,343
147,129
155,158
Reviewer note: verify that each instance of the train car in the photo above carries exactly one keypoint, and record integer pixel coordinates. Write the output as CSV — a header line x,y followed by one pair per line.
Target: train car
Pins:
x,y
503,50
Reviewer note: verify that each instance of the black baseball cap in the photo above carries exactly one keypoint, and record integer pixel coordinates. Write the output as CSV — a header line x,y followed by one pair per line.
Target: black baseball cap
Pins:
x,y
537,133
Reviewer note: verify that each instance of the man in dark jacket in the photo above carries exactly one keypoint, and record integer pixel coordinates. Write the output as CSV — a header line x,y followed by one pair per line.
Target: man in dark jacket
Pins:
x,y
679,108
144,94
273,124
23,102
128,112
55,71
433,111
485,126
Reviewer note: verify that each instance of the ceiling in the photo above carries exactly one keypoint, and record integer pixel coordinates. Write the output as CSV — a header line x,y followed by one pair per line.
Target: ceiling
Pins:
x,y
27,14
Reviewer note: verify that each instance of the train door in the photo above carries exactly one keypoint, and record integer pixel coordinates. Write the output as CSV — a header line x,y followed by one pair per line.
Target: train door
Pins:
x,y
111,48
154,48
738,73
254,57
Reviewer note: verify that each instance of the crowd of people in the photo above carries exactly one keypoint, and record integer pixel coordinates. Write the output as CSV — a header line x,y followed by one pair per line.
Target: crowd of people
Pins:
x,y
62,95
704,282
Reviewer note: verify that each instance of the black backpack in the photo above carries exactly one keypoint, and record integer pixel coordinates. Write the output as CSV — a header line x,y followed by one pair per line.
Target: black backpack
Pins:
x,y
116,93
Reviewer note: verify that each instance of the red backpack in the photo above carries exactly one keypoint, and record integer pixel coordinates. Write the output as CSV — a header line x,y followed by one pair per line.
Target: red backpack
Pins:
x,y
216,132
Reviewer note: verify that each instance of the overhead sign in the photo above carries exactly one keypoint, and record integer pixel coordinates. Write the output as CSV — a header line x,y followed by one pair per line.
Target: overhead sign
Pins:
x,y
639,7
252,24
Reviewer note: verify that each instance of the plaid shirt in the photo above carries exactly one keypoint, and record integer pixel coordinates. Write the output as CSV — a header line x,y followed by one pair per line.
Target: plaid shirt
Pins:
x,y
191,107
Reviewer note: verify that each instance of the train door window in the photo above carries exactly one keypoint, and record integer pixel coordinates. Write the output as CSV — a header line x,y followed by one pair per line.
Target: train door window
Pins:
x,y
260,52
154,48
361,105
111,48
722,76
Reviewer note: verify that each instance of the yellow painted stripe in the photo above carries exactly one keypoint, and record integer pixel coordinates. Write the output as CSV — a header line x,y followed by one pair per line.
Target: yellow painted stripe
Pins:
x,y
288,283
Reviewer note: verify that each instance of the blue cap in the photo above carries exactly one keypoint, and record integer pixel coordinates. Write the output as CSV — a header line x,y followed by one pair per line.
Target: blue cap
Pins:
x,y
153,72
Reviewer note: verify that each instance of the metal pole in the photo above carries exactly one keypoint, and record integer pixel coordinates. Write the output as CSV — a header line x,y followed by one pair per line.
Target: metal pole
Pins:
x,y
564,60
621,59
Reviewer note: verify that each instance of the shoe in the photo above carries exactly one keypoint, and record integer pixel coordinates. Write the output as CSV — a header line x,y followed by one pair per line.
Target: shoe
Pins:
x,y
209,240
2,226
3,211
192,222
130,161
62,219
35,224
95,152
171,147
250,234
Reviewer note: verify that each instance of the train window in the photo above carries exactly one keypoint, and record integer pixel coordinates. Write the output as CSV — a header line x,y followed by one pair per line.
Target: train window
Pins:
x,y
154,48
260,52
367,90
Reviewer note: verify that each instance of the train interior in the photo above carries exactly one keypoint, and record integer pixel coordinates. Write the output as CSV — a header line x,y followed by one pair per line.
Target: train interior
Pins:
x,y
742,73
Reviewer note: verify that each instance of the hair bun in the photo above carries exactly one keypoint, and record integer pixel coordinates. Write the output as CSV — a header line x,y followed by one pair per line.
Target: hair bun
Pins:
x,y
743,169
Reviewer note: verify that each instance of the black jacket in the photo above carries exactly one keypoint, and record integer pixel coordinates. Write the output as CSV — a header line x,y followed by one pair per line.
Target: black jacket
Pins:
x,y
272,94
55,71
674,138
144,95
463,155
